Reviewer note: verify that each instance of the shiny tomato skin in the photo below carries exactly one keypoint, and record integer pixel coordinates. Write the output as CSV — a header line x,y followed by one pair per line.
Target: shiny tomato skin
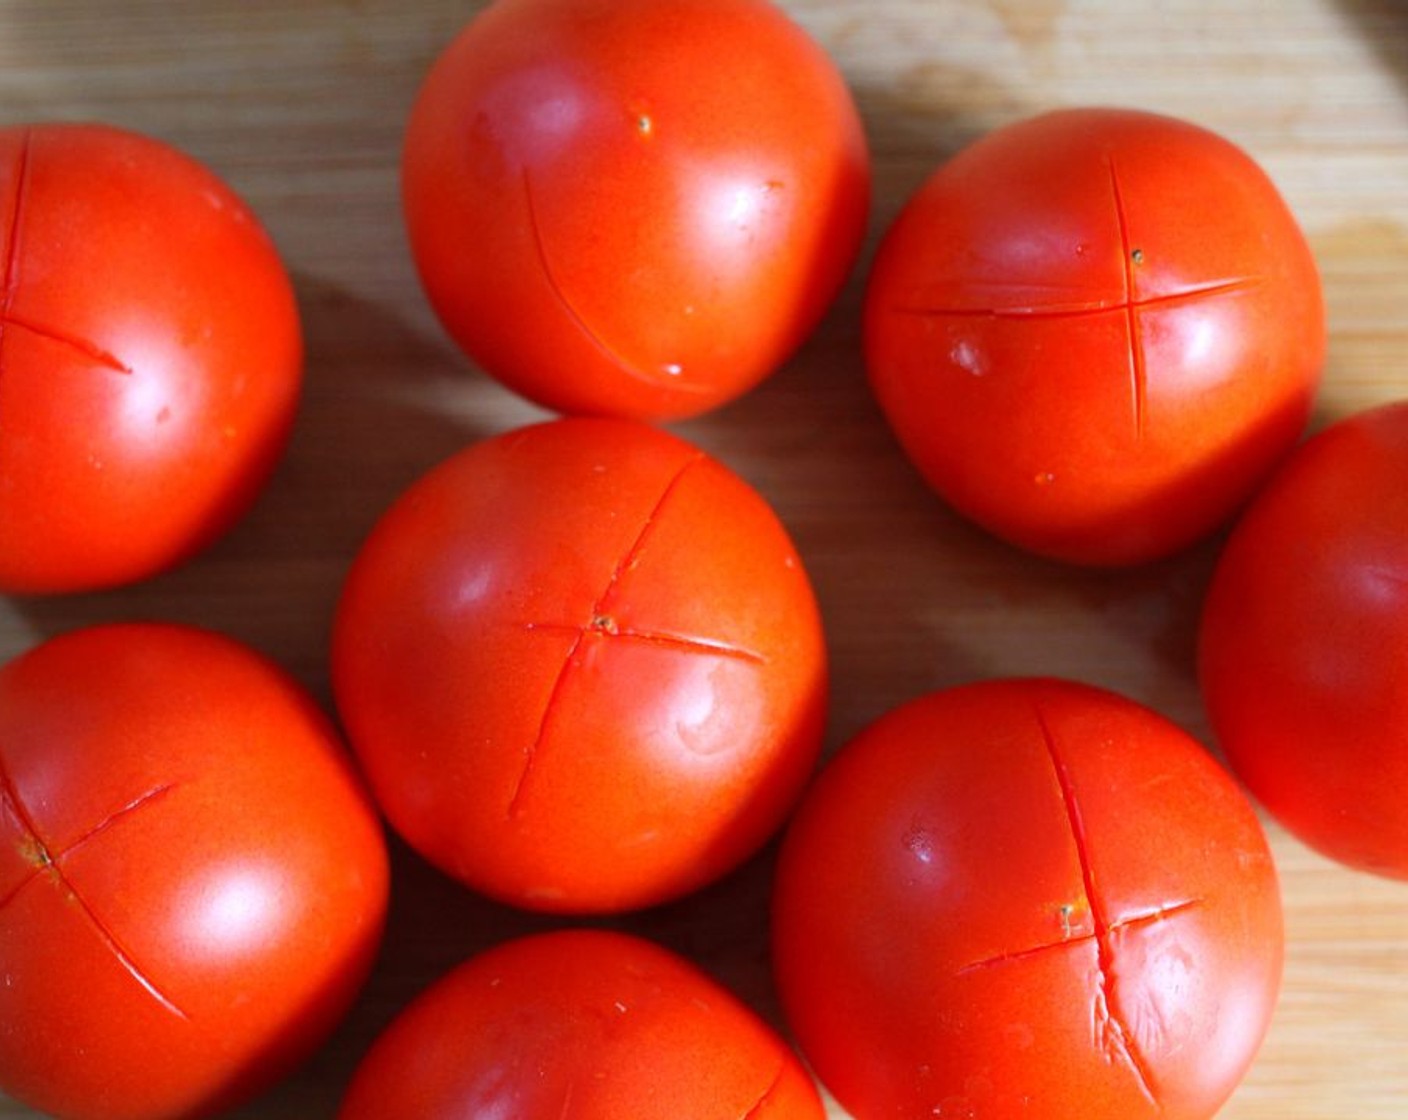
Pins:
x,y
1027,898
634,208
150,357
582,666
1302,639
579,1025
192,879
1095,332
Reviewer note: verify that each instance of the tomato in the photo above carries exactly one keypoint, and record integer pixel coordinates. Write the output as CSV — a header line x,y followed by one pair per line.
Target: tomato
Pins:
x,y
1027,898
635,208
583,1024
1096,332
1302,641
582,666
192,880
150,357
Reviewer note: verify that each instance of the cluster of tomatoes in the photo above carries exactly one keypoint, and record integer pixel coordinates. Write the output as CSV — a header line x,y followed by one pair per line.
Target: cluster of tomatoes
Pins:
x,y
580,665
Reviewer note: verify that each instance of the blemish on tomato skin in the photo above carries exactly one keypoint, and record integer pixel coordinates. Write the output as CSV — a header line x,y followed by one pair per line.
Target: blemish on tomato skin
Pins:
x,y
33,852
638,115
920,843
969,358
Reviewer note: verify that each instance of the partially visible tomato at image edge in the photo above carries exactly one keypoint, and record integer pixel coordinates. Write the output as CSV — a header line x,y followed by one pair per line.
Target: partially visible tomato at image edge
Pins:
x,y
193,881
633,208
587,1024
150,357
1302,645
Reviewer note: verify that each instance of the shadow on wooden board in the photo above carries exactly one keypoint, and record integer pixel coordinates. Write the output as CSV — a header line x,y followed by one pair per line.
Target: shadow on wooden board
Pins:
x,y
373,418
1384,26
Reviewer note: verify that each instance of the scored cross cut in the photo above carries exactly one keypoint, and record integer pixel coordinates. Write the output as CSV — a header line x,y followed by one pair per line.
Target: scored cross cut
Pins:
x,y
1128,922
1114,1036
10,319
1130,305
603,626
48,863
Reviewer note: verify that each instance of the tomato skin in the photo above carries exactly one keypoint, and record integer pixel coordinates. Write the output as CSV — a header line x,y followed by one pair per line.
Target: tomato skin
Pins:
x,y
634,208
150,357
1027,898
1028,389
579,1024
1300,647
582,666
192,880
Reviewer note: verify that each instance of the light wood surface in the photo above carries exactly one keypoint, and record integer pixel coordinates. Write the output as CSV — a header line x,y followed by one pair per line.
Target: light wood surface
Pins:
x,y
300,104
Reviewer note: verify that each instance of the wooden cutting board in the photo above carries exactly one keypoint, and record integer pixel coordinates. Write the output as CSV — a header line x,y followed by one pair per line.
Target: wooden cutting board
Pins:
x,y
299,104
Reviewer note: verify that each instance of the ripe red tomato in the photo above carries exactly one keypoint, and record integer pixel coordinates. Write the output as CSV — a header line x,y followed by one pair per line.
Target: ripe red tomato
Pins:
x,y
1027,898
1096,332
192,881
633,208
582,666
587,1024
1301,649
150,357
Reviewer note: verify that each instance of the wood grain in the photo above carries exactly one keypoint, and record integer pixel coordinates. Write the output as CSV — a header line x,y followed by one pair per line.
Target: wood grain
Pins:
x,y
299,105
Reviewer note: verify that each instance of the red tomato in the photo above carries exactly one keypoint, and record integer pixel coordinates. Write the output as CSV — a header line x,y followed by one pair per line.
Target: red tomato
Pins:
x,y
582,1024
1303,637
192,881
633,207
582,666
1027,898
1095,333
150,357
